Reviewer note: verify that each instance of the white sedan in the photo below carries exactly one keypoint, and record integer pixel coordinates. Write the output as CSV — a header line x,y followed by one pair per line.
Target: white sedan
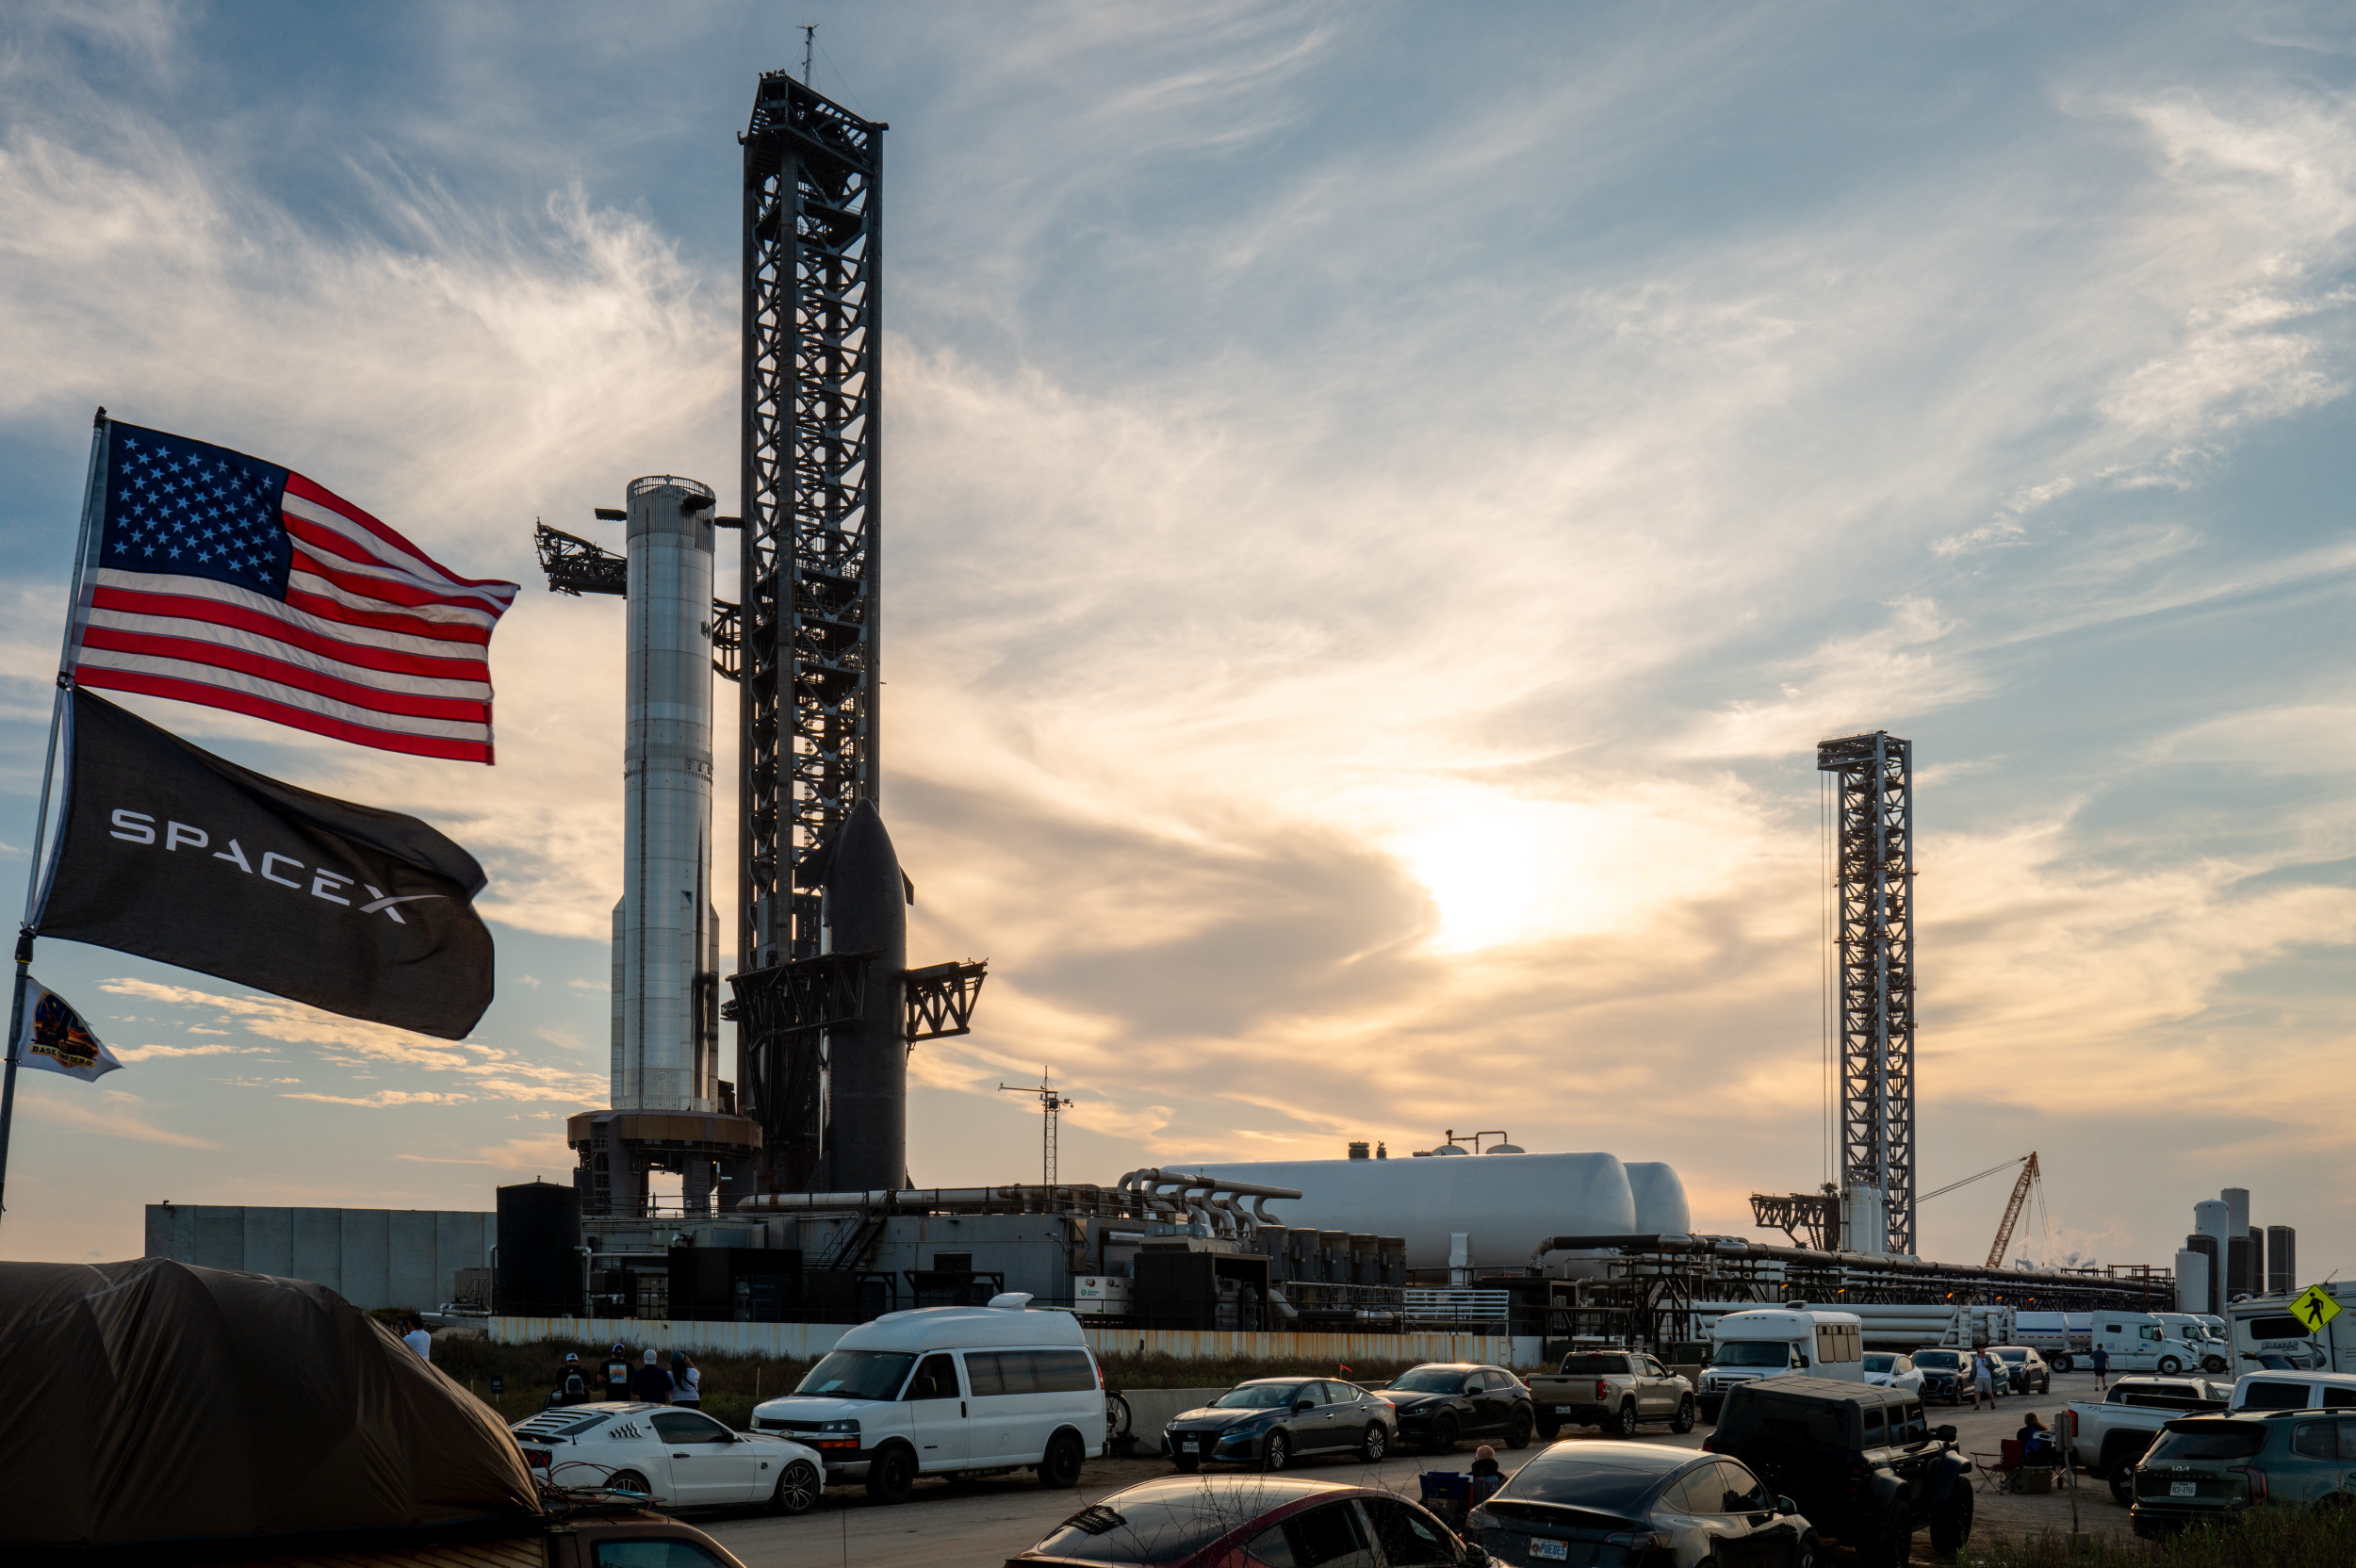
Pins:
x,y
677,1458
1885,1370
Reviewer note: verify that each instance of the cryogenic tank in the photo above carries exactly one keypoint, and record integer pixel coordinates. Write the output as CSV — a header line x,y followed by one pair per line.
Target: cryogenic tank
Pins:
x,y
1507,1205
1661,1208
2210,1218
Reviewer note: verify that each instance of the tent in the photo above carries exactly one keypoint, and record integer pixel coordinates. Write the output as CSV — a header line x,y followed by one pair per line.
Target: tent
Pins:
x,y
151,1400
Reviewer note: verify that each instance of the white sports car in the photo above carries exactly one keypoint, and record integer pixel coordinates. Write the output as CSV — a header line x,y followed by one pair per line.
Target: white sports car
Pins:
x,y
677,1458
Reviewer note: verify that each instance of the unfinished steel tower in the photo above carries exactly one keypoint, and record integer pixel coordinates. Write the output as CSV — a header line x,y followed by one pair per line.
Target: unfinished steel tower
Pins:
x,y
817,1025
1874,884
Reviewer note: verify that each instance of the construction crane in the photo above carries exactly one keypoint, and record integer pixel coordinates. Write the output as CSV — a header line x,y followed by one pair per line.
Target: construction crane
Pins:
x,y
2029,1178
1053,1100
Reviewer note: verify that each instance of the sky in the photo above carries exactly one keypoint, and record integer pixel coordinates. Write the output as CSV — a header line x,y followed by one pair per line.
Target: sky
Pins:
x,y
1382,502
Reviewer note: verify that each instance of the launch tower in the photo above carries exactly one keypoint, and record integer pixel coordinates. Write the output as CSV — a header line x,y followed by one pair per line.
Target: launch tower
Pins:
x,y
823,1026
1873,885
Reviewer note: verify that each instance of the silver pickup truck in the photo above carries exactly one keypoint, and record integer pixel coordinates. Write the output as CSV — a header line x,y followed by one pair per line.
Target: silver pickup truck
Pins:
x,y
1611,1389
2114,1432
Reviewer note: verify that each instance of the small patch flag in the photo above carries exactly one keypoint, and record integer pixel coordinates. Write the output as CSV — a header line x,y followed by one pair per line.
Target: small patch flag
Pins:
x,y
55,1040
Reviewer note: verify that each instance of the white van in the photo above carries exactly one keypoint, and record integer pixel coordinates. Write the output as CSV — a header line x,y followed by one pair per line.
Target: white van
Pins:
x,y
2149,1342
1780,1342
949,1389
2265,1334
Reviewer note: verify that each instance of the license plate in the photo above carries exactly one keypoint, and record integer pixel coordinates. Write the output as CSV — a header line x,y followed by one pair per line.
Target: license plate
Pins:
x,y
1190,1443
1564,1410
2183,1489
1544,1550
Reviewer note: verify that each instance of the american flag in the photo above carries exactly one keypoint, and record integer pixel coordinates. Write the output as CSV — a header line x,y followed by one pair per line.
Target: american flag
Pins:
x,y
223,580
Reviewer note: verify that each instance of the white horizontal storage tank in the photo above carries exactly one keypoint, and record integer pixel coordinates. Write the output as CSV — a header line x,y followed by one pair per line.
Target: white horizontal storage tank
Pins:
x,y
1508,1203
1660,1207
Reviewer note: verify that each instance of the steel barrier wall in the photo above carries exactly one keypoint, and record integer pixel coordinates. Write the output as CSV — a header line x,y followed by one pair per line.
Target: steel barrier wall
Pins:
x,y
804,1341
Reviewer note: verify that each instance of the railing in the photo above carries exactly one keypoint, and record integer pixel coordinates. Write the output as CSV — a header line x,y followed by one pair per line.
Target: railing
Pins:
x,y
1456,1306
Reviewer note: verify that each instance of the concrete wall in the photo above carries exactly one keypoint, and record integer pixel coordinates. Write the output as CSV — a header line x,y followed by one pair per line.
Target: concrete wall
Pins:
x,y
805,1341
370,1257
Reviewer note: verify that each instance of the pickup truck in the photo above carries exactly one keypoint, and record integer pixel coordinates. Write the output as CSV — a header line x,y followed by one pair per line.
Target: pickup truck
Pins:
x,y
1613,1389
2114,1432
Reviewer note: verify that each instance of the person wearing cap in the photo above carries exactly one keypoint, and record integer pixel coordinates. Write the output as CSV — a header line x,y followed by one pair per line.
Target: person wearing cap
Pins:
x,y
572,1381
687,1380
618,1372
650,1384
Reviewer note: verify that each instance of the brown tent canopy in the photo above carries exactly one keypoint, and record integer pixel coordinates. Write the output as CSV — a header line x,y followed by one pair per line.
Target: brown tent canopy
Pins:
x,y
150,1400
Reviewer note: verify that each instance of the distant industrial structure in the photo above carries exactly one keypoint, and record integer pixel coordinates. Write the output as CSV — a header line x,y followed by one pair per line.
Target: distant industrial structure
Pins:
x,y
2226,1257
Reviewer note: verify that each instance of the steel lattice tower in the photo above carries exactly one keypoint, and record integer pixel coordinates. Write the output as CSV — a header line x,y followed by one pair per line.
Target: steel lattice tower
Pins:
x,y
1873,881
812,622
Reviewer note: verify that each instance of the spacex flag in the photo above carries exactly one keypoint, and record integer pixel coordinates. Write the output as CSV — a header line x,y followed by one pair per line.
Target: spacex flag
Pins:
x,y
176,855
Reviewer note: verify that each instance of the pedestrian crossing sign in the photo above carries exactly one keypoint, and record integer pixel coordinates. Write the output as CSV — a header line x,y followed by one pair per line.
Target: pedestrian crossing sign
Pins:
x,y
2314,1308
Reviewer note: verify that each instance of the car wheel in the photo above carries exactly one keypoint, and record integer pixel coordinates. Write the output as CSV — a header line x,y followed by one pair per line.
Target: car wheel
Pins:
x,y
1375,1444
1442,1440
1277,1452
892,1475
2124,1486
797,1489
1185,1463
1887,1548
1059,1467
1623,1422
1117,1417
1805,1555
628,1480
2170,1367
1683,1420
1517,1430
1951,1526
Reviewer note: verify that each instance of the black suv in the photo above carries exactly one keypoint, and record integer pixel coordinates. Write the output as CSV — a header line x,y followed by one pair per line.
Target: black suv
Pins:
x,y
1440,1402
1857,1458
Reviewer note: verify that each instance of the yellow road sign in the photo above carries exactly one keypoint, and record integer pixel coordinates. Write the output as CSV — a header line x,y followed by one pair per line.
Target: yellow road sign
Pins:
x,y
2314,1308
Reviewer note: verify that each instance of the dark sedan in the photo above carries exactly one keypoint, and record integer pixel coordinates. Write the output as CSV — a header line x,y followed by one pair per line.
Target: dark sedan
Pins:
x,y
1276,1521
1270,1422
1616,1505
1441,1403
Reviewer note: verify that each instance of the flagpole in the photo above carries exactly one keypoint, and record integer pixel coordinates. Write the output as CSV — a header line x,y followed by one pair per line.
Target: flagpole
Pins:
x,y
73,617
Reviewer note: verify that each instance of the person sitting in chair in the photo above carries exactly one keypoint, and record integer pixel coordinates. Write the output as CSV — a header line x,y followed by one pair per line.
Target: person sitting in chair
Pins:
x,y
2037,1444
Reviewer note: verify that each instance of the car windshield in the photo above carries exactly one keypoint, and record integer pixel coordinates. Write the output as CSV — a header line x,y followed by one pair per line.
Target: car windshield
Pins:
x,y
1593,1366
1753,1352
1569,1478
2010,1355
1257,1396
2218,1440
1880,1363
858,1374
1430,1380
1937,1361
1126,1527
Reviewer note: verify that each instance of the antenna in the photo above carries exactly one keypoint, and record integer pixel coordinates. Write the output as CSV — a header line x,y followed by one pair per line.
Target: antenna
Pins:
x,y
1050,1100
810,41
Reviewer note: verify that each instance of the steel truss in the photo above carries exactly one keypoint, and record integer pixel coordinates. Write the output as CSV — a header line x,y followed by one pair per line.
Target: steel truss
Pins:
x,y
808,632
1873,883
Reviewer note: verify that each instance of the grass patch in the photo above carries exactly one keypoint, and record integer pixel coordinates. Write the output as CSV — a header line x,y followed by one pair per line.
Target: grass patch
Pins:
x,y
2269,1537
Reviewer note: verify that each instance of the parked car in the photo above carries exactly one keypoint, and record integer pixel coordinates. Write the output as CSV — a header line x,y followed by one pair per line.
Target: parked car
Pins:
x,y
2114,1430
949,1389
1887,1369
1200,1520
2212,1467
2025,1371
1946,1374
1611,1389
1861,1463
1605,1505
1270,1422
674,1457
1440,1403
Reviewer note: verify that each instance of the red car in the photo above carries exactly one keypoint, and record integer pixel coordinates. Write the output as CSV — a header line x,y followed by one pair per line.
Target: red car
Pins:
x,y
1253,1521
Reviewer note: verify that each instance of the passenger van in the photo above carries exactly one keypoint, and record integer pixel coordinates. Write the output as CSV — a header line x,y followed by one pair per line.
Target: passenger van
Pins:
x,y
2151,1341
949,1390
1780,1342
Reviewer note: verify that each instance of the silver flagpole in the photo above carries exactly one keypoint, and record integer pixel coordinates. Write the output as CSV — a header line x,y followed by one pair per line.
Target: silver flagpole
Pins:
x,y
76,611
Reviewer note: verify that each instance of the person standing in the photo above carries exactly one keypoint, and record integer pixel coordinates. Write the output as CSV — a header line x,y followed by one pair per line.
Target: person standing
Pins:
x,y
572,1380
417,1339
1983,1379
2102,1359
650,1384
618,1374
687,1380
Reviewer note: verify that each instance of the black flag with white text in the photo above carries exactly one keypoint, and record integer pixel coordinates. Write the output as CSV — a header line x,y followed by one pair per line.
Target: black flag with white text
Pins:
x,y
174,853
